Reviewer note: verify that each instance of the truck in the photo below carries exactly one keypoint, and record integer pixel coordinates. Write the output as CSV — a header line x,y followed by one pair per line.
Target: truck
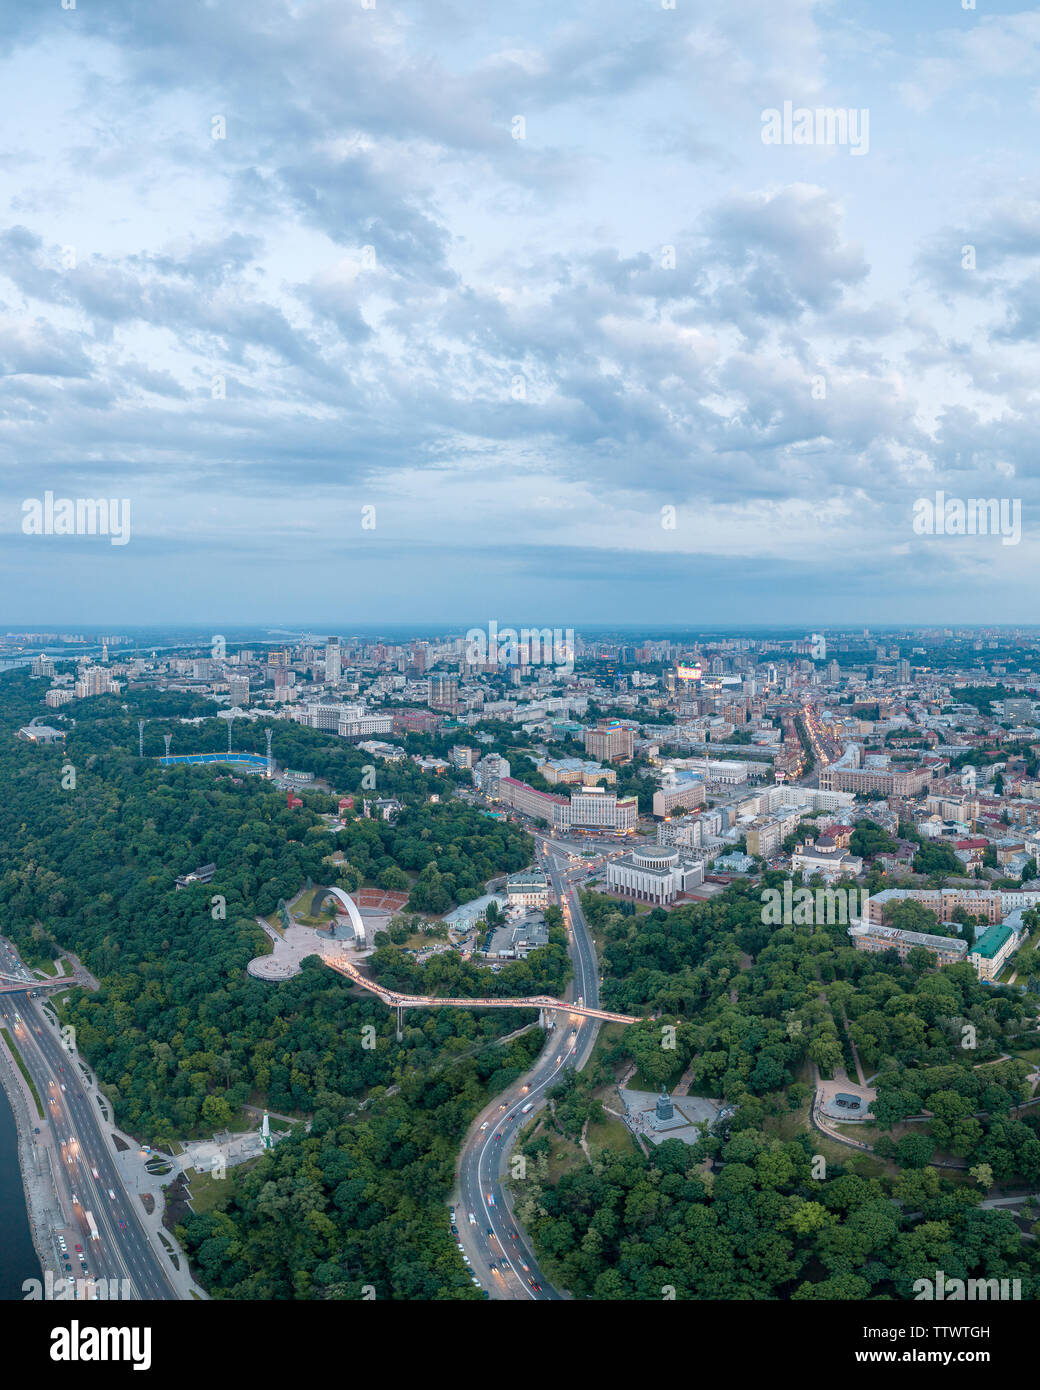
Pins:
x,y
91,1226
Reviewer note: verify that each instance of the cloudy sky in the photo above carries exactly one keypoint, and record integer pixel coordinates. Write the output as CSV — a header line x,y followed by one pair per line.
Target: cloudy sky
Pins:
x,y
525,282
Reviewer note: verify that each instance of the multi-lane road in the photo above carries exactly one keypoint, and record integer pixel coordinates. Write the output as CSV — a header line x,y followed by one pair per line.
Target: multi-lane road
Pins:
x,y
83,1166
498,1251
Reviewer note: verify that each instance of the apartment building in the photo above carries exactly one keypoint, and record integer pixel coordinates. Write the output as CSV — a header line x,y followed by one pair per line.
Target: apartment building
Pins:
x,y
610,741
679,792
869,936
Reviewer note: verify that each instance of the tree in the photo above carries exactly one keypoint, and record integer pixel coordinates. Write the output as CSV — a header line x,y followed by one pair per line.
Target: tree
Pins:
x,y
983,1175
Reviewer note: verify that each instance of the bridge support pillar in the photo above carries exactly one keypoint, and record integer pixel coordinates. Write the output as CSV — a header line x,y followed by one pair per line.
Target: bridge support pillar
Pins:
x,y
400,1023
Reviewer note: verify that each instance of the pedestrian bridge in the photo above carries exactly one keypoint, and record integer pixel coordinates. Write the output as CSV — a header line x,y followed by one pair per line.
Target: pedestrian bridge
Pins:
x,y
417,1001
10,984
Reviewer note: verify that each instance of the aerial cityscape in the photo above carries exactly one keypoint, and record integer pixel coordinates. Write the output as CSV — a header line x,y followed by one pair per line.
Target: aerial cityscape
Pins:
x,y
523,964
519,688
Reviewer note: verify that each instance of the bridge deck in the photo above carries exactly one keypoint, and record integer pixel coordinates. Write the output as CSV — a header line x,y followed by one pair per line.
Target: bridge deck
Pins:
x,y
418,1001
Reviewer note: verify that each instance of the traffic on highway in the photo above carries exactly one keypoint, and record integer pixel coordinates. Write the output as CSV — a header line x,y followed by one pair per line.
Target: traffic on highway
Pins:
x,y
491,1242
102,1237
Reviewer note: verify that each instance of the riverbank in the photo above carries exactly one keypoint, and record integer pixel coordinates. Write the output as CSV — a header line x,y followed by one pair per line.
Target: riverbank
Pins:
x,y
37,1186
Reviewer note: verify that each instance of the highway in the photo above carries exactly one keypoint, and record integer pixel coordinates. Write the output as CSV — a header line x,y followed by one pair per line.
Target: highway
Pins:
x,y
500,1254
123,1250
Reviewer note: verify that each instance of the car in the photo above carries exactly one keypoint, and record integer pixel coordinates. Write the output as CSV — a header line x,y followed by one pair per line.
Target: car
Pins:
x,y
462,1247
491,1234
512,1233
525,1088
112,1194
63,1085
466,1260
498,1136
68,1267
526,1268
79,1249
475,1280
94,1171
502,1106
75,1200
472,1219
483,1127
454,1229
491,1199
496,1271
70,1280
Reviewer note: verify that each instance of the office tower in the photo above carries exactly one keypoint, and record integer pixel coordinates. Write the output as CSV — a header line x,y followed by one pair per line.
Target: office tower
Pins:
x,y
332,661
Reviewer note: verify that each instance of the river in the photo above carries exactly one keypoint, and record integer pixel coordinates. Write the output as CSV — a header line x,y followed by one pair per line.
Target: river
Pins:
x,y
18,1260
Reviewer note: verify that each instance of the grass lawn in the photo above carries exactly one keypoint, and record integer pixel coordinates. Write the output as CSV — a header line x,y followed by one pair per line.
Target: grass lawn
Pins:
x,y
47,967
1029,1054
612,1134
564,1157
640,1083
13,1047
208,1191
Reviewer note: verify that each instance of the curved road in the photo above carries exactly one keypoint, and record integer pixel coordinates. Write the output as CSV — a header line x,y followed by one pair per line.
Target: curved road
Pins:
x,y
500,1254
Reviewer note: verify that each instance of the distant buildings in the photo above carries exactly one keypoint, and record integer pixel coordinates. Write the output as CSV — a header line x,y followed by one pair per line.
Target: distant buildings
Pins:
x,y
443,693
96,680
238,691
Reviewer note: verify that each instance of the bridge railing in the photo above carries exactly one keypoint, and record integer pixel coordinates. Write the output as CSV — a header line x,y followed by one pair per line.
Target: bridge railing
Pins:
x,y
416,1001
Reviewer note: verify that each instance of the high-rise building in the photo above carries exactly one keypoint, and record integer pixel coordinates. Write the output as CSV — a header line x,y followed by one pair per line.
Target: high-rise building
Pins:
x,y
442,692
332,661
238,689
